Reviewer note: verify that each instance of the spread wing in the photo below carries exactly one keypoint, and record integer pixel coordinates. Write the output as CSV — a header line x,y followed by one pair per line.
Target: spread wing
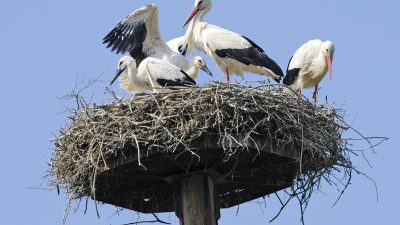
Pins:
x,y
137,34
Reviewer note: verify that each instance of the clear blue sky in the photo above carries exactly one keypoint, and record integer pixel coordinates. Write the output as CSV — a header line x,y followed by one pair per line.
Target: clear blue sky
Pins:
x,y
46,44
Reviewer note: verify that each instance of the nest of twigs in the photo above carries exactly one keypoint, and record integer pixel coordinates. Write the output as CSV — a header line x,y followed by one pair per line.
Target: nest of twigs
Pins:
x,y
174,119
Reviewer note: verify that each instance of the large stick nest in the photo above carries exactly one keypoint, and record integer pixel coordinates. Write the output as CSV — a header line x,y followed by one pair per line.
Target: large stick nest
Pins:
x,y
172,119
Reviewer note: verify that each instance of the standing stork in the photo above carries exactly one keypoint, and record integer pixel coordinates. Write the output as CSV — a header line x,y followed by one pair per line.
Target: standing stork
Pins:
x,y
152,73
139,35
308,66
233,53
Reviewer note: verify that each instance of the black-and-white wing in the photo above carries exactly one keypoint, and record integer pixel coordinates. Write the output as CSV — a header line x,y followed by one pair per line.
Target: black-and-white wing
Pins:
x,y
291,73
164,74
253,55
138,34
301,61
226,43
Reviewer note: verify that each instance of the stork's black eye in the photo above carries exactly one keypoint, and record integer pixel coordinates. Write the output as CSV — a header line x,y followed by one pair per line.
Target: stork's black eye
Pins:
x,y
199,3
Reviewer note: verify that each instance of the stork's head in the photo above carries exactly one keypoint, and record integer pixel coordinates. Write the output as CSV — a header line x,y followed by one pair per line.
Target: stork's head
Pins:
x,y
123,64
200,7
201,64
328,49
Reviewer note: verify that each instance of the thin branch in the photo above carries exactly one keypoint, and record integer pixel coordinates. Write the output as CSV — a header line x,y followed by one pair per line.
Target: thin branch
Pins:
x,y
157,220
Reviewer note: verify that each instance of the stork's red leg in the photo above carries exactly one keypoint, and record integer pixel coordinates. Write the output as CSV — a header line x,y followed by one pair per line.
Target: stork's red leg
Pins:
x,y
315,95
299,95
228,79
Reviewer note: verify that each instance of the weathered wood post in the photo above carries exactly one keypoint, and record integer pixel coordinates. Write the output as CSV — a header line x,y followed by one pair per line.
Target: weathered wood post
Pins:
x,y
194,199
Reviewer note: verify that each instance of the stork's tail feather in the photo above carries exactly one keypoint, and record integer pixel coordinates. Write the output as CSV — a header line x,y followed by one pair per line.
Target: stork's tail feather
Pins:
x,y
278,79
276,70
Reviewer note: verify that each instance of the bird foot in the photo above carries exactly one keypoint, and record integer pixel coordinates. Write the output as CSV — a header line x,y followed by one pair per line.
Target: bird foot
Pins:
x,y
298,99
314,101
299,94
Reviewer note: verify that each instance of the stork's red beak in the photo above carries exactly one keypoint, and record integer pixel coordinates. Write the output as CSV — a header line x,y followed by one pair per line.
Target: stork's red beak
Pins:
x,y
329,60
192,14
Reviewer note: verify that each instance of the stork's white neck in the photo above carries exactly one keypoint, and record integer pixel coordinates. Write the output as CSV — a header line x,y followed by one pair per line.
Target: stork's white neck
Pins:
x,y
191,26
192,34
132,72
322,58
193,71
321,66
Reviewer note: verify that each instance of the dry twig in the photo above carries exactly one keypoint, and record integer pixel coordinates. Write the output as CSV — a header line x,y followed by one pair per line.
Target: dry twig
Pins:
x,y
177,118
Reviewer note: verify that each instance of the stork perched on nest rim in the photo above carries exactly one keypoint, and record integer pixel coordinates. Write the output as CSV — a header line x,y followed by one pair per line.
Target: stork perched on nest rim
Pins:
x,y
152,73
139,35
233,53
308,66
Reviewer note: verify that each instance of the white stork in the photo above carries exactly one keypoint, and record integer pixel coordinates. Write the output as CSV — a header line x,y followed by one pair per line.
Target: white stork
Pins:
x,y
139,35
196,63
152,73
308,66
233,53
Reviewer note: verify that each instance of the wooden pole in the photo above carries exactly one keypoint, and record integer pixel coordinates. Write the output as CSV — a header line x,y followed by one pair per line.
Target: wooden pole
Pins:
x,y
195,201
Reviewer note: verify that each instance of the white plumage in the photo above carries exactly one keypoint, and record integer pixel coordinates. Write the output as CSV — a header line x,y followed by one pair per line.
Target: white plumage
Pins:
x,y
308,66
176,43
139,35
195,64
151,74
233,53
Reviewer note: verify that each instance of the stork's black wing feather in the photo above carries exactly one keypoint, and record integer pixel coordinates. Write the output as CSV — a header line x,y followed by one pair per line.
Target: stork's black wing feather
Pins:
x,y
253,55
126,37
132,34
184,81
291,75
